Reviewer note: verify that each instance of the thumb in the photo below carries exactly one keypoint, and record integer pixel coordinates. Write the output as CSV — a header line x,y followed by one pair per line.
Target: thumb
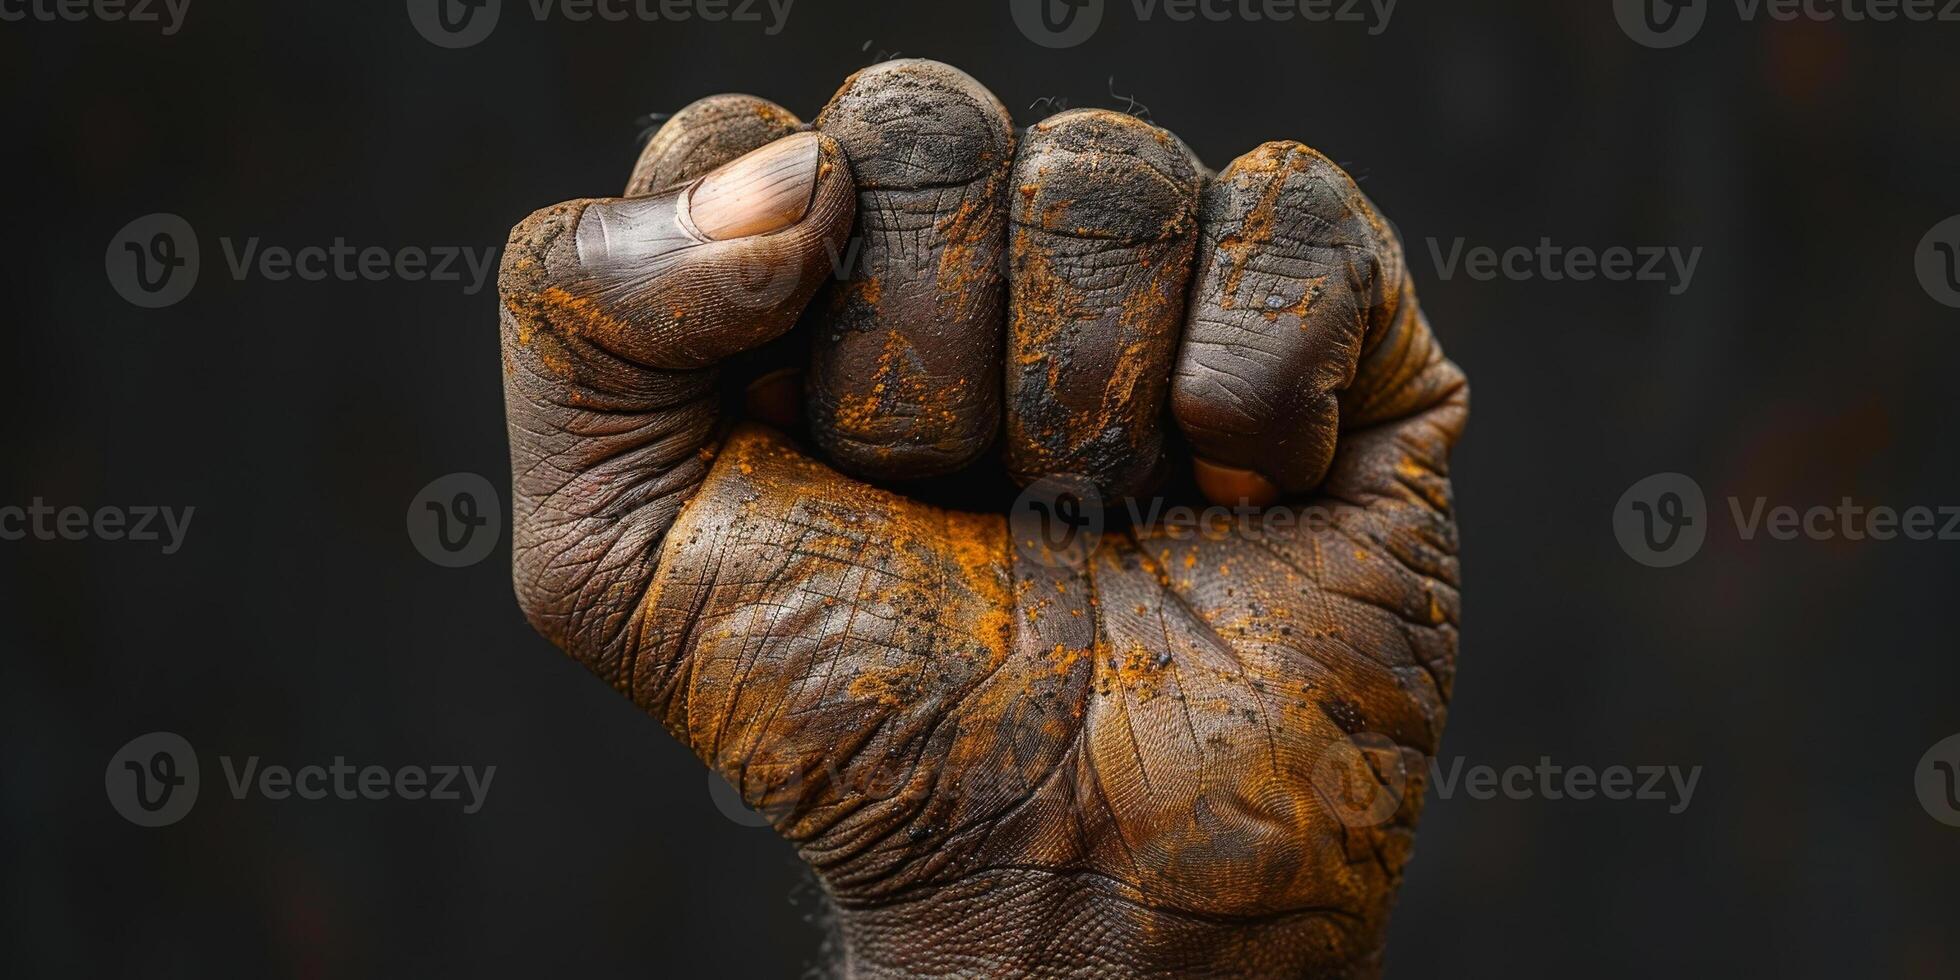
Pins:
x,y
685,278
614,313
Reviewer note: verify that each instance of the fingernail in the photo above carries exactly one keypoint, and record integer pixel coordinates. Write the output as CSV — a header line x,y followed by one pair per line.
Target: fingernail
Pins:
x,y
1228,485
763,191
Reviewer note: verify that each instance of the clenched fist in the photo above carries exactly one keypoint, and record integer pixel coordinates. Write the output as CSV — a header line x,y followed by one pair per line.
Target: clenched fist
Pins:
x,y
1000,763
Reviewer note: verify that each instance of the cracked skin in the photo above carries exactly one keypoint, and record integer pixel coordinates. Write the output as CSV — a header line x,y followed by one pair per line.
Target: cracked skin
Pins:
x,y
1139,764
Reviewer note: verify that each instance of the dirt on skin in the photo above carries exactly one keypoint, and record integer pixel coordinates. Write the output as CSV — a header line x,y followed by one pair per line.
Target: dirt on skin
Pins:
x,y
1200,745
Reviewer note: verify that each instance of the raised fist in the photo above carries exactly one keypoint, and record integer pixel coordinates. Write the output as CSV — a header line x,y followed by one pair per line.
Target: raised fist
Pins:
x,y
1193,749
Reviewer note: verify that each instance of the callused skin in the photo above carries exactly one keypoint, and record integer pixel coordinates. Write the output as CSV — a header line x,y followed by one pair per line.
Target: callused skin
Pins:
x,y
1197,752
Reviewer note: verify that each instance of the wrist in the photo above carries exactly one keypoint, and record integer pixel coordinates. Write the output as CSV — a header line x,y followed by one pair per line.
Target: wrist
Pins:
x,y
1025,922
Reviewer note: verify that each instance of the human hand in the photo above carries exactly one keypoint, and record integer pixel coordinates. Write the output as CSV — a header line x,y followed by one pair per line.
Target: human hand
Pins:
x,y
999,763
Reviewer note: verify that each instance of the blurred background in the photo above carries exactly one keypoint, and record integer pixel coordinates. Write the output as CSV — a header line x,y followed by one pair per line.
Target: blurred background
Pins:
x,y
1805,361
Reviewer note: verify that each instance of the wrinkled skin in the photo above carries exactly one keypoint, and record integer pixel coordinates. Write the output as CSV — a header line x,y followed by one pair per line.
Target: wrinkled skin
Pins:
x,y
1194,752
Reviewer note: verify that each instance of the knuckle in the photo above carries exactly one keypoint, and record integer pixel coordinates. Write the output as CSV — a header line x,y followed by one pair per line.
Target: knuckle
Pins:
x,y
1105,175
911,124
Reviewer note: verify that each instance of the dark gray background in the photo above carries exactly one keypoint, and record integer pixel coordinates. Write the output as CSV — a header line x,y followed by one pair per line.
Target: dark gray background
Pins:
x,y
298,623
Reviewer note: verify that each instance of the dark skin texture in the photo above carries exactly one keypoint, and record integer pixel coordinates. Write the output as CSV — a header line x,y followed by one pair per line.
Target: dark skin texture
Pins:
x,y
905,373
1195,752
